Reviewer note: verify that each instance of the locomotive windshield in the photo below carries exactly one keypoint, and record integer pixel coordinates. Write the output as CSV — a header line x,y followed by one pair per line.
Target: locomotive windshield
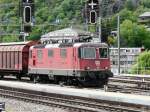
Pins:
x,y
103,52
87,52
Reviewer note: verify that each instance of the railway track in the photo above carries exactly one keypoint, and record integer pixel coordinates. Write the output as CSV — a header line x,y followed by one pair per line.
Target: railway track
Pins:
x,y
133,85
123,84
70,103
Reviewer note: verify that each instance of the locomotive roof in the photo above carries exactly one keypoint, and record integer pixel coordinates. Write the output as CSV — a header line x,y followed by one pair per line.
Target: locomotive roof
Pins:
x,y
91,43
58,45
66,33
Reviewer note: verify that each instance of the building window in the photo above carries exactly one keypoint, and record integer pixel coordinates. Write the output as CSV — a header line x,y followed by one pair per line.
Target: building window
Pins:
x,y
63,53
122,63
39,54
129,62
128,50
50,53
113,63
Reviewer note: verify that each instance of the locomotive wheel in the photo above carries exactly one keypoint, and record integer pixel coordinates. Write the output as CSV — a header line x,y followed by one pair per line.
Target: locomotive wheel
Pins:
x,y
35,78
18,77
61,83
56,80
31,78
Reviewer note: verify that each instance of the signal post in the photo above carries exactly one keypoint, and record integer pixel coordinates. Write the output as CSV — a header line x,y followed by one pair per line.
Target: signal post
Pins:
x,y
92,16
27,14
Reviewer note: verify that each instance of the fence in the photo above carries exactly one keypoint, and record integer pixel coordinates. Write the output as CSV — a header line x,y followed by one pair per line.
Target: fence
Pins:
x,y
130,70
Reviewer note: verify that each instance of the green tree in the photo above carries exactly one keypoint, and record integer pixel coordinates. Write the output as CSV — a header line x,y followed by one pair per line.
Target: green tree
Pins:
x,y
142,65
134,35
131,4
111,40
46,14
10,39
145,3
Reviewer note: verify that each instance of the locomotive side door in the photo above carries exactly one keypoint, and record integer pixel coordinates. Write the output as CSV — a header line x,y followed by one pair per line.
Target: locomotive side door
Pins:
x,y
32,61
75,58
33,58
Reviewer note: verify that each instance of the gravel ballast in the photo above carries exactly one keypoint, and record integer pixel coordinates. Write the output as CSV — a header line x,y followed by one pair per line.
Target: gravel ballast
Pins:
x,y
13,105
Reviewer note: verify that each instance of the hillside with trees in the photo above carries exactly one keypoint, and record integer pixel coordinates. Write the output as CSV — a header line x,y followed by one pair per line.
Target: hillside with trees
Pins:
x,y
133,34
56,14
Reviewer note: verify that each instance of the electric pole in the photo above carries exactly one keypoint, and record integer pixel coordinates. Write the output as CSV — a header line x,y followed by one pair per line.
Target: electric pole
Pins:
x,y
100,22
86,18
118,35
100,29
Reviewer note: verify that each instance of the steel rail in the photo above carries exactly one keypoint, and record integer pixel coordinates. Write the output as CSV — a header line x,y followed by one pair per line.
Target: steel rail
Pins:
x,y
133,81
68,103
128,89
129,85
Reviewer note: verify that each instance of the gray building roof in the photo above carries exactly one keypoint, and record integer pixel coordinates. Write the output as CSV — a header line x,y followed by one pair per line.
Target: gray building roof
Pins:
x,y
146,14
67,33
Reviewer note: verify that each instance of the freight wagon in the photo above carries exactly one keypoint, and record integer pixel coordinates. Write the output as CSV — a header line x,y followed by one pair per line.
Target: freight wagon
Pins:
x,y
14,58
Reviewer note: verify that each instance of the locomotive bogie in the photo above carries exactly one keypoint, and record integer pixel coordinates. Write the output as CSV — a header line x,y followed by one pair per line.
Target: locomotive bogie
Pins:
x,y
94,78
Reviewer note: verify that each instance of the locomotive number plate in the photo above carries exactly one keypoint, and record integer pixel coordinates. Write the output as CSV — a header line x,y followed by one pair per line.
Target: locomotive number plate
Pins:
x,y
97,63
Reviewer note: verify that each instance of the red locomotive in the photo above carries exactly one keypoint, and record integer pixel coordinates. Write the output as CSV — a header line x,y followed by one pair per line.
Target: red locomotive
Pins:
x,y
73,63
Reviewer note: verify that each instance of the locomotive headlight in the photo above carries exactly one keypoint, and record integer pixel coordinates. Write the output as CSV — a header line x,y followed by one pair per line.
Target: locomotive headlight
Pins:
x,y
87,68
106,68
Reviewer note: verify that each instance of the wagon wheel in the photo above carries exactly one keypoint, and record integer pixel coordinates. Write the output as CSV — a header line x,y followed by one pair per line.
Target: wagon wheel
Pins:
x,y
1,76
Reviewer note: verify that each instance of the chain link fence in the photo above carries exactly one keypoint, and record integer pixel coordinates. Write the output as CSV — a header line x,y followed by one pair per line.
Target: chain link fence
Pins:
x,y
140,70
132,70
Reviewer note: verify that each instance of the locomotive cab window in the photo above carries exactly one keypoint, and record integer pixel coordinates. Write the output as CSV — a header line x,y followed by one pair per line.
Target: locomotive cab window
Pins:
x,y
39,54
87,53
50,53
63,53
103,52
